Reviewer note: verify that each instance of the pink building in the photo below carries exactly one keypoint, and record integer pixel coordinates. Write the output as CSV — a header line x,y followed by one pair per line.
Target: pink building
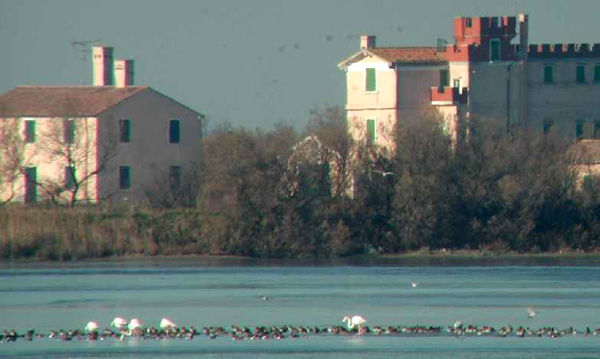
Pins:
x,y
110,141
489,71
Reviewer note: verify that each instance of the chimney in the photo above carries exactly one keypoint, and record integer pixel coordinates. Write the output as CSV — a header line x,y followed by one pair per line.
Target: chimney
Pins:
x,y
103,66
367,42
123,73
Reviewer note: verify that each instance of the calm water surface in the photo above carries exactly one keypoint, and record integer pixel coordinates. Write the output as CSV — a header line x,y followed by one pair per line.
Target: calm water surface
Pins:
x,y
205,292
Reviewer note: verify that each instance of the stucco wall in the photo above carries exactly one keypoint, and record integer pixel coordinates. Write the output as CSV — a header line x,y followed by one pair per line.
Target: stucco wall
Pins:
x,y
149,154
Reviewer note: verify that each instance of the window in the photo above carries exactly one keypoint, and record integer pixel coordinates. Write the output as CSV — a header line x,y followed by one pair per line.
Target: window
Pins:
x,y
29,131
548,74
548,126
124,177
371,131
125,131
175,177
579,129
30,184
597,129
596,73
69,131
174,131
580,74
495,50
371,83
468,22
444,78
69,177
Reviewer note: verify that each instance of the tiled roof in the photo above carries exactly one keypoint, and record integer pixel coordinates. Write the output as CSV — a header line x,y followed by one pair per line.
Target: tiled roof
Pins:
x,y
408,54
61,101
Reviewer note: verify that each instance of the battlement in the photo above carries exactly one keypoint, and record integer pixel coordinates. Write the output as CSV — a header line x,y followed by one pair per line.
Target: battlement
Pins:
x,y
553,51
479,29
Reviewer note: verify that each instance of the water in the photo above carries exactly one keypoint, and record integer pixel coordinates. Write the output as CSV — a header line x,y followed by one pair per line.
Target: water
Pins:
x,y
217,292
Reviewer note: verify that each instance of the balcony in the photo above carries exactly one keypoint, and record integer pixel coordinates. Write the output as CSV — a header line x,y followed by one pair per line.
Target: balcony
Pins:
x,y
448,95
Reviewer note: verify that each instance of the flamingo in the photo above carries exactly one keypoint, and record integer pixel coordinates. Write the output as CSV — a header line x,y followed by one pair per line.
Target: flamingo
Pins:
x,y
92,326
134,324
166,324
356,320
118,323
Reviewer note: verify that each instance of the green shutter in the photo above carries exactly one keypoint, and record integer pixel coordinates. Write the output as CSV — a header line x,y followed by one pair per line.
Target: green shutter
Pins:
x,y
174,135
597,73
548,78
124,177
444,78
30,184
125,130
30,131
69,177
580,74
371,131
495,50
579,130
371,79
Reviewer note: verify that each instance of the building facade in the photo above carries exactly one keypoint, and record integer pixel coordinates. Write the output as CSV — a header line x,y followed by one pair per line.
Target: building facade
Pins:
x,y
110,141
490,71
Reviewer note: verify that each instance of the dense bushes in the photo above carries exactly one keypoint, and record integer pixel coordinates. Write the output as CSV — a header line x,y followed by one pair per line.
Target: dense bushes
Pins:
x,y
266,194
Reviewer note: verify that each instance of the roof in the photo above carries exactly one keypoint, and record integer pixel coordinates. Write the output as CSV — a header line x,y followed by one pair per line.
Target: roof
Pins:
x,y
399,55
61,101
408,54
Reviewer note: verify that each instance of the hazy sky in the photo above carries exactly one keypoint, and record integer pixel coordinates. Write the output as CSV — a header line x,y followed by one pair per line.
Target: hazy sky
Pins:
x,y
249,62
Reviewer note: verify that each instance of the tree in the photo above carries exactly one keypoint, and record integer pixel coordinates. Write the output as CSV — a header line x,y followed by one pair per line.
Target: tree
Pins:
x,y
12,158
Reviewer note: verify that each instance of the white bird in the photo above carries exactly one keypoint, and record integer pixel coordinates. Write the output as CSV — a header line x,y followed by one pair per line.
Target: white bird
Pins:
x,y
531,312
356,320
414,284
134,324
118,323
91,326
167,324
458,324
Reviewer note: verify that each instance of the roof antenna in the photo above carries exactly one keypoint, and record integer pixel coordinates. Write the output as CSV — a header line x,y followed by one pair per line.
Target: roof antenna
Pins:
x,y
82,49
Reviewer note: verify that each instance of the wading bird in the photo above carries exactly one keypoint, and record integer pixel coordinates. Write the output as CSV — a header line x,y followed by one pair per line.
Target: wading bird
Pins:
x,y
118,323
91,326
166,324
356,320
531,312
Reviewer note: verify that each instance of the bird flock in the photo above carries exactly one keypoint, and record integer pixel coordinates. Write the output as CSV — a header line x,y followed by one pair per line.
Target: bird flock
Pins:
x,y
120,329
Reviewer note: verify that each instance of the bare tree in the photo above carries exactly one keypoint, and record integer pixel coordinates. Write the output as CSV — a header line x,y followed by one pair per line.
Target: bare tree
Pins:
x,y
12,158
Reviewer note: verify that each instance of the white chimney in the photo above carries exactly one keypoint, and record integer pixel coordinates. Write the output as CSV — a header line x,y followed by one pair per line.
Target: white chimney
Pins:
x,y
123,73
367,42
103,66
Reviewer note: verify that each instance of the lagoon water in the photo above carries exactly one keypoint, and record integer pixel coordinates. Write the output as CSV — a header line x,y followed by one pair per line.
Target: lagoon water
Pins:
x,y
224,292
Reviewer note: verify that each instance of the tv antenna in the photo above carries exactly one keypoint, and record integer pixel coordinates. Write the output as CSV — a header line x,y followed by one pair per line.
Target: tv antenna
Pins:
x,y
82,49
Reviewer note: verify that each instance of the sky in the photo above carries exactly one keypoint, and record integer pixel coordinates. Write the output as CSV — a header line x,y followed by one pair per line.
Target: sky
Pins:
x,y
252,63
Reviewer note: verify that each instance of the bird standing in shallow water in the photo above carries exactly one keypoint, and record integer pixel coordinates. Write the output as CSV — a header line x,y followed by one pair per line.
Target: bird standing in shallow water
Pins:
x,y
118,323
356,320
531,312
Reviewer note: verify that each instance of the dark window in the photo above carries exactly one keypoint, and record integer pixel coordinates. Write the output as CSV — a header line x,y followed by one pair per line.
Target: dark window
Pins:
x,y
495,50
444,78
371,131
596,73
597,129
579,126
124,177
174,134
371,84
548,74
548,126
30,131
69,177
69,131
175,177
468,22
580,74
125,131
30,185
